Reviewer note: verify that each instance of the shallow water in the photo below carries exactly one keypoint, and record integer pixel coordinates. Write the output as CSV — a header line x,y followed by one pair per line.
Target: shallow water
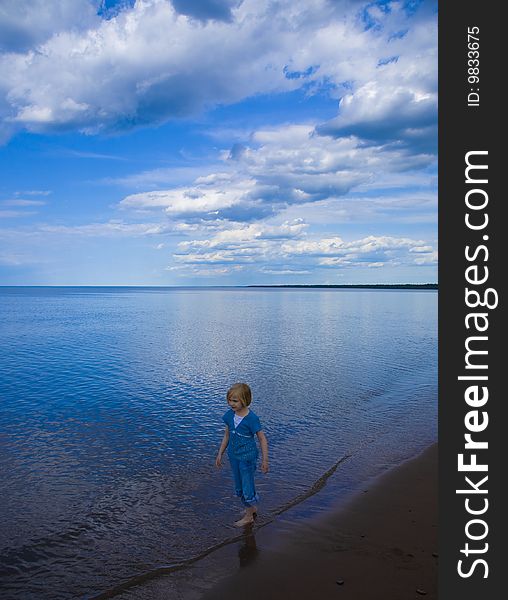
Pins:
x,y
111,406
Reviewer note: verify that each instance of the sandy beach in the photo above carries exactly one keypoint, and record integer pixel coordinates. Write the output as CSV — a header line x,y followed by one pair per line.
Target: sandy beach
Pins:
x,y
381,545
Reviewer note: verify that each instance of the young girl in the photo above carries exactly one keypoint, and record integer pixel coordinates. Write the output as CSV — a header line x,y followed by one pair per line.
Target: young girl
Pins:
x,y
241,426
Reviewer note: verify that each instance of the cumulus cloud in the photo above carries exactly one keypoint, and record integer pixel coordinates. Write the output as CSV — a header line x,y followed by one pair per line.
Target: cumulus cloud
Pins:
x,y
380,112
239,244
366,248
263,202
292,252
157,60
312,162
241,234
139,67
283,166
24,24
397,101
204,197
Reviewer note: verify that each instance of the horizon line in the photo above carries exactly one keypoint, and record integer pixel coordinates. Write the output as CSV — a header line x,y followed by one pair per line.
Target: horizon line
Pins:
x,y
250,285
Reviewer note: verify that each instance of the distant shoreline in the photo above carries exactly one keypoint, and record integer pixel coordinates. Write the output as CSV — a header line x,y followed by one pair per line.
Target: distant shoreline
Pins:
x,y
379,286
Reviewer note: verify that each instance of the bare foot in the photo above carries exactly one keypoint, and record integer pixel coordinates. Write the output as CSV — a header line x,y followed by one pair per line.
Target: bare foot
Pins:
x,y
248,519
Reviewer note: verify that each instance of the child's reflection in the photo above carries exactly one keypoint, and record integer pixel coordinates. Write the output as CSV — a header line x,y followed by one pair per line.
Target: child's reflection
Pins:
x,y
248,551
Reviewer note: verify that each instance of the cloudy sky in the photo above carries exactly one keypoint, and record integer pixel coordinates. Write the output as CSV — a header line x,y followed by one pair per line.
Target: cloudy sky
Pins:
x,y
218,142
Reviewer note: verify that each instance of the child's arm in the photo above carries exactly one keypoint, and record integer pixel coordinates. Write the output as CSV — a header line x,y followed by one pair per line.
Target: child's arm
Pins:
x,y
264,451
223,446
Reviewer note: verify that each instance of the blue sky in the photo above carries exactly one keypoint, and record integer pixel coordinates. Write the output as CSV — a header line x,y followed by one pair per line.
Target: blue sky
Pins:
x,y
218,142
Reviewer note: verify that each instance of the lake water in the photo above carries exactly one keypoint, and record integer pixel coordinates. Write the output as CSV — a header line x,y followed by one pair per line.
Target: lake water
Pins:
x,y
111,406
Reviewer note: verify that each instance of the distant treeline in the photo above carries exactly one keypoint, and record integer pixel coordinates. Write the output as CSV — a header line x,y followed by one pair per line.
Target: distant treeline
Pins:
x,y
377,286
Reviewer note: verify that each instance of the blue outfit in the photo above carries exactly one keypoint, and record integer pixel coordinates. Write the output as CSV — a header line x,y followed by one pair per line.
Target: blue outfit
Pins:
x,y
243,454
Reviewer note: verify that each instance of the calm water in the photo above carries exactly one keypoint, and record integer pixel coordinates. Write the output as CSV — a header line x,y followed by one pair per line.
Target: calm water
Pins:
x,y
111,405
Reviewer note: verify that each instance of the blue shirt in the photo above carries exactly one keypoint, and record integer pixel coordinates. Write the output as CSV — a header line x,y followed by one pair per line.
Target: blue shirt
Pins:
x,y
242,444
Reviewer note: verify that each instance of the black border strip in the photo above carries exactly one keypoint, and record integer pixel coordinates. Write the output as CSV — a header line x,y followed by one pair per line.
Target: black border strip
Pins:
x,y
471,124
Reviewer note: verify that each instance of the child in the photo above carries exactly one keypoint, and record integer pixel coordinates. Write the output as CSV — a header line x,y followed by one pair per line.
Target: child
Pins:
x,y
241,426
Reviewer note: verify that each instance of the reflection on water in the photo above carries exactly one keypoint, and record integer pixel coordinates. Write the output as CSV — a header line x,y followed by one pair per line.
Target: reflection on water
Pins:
x,y
111,405
248,550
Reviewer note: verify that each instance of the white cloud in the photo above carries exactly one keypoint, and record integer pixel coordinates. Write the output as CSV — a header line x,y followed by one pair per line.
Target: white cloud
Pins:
x,y
396,208
239,234
427,258
10,214
111,228
239,243
270,202
202,198
421,249
155,178
297,156
24,24
371,251
284,271
149,63
140,67
384,112
196,271
21,202
33,193
293,251
283,166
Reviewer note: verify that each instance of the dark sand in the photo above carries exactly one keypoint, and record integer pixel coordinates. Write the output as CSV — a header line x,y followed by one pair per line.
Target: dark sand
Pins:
x,y
381,545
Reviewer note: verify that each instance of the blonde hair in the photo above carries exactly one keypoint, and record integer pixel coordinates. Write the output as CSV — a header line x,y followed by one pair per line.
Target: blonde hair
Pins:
x,y
242,391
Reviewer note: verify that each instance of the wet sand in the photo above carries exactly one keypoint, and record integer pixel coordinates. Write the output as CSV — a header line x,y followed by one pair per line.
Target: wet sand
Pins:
x,y
381,545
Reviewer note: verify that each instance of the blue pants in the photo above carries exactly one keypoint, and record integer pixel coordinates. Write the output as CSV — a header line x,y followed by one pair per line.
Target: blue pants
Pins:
x,y
243,474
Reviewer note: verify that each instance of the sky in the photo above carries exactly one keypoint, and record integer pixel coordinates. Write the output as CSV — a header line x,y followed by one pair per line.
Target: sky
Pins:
x,y
218,142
